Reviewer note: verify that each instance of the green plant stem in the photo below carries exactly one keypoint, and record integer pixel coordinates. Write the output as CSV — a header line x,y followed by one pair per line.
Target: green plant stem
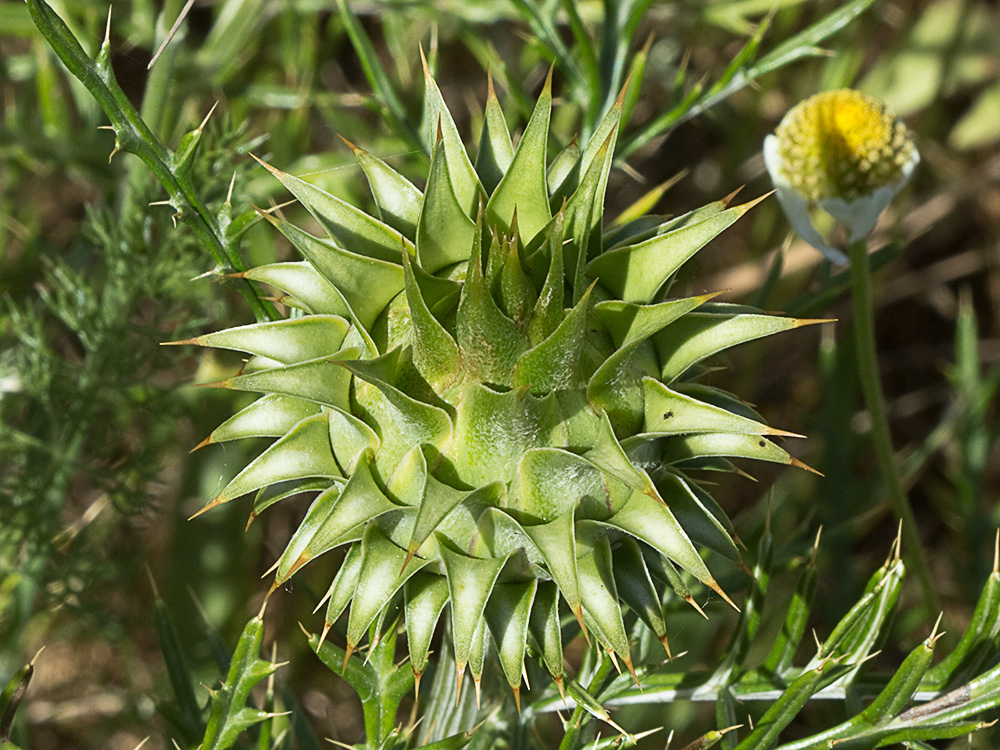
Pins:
x,y
134,136
571,739
871,387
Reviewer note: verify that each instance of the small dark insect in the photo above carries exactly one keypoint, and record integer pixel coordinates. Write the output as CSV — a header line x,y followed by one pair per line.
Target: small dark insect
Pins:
x,y
762,443
668,414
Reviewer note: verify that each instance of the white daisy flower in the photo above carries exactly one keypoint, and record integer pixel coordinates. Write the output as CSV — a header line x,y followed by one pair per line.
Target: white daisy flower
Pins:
x,y
845,152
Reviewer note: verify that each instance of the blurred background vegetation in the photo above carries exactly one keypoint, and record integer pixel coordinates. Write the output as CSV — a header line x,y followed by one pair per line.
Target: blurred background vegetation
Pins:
x,y
96,418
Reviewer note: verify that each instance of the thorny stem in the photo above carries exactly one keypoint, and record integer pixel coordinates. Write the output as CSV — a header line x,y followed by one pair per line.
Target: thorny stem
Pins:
x,y
570,739
868,373
133,135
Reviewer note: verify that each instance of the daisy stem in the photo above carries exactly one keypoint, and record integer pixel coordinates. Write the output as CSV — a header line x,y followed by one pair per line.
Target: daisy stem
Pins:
x,y
868,372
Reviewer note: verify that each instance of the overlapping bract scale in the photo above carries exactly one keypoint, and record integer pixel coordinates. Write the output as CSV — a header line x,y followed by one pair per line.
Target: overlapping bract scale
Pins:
x,y
496,403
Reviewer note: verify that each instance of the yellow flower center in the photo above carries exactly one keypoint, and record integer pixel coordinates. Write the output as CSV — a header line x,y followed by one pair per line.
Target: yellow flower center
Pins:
x,y
842,144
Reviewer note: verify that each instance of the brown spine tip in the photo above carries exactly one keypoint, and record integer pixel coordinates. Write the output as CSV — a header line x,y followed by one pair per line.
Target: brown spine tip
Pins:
x,y
423,63
775,432
347,655
250,520
216,384
750,204
459,676
202,444
718,590
517,698
547,88
578,614
620,99
665,642
325,632
801,322
477,683
491,93
729,198
631,670
354,149
214,502
815,549
934,631
996,554
410,553
800,465
273,567
690,600
303,559
371,649
208,116
273,170
614,660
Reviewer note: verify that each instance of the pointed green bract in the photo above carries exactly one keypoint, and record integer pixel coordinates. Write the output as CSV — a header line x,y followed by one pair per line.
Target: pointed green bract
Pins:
x,y
323,381
554,364
496,151
470,583
444,231
522,190
438,120
381,576
435,352
635,587
635,273
426,595
347,226
507,613
305,284
600,597
490,403
303,452
699,335
286,341
270,416
366,284
397,199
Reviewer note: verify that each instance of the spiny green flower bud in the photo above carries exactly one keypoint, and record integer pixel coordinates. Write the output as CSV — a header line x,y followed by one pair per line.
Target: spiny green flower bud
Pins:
x,y
845,152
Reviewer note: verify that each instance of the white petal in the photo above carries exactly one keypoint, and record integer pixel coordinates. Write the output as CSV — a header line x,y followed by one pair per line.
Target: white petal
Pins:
x,y
794,205
797,212
908,167
773,161
860,215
